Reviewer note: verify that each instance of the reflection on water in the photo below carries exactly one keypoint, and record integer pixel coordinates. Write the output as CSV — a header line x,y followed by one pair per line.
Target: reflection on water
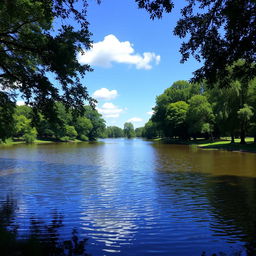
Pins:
x,y
134,197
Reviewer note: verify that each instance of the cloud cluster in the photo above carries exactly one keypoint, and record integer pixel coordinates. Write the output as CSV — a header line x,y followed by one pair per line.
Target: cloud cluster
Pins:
x,y
110,50
105,94
108,109
135,120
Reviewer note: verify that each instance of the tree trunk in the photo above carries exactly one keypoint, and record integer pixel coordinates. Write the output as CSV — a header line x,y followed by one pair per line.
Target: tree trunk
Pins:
x,y
242,136
232,138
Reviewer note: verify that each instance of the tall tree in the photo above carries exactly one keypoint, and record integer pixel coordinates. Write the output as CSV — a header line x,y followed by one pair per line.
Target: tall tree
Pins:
x,y
129,130
31,47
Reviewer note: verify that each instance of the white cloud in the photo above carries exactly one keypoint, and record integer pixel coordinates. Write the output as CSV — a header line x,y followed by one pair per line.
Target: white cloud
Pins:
x,y
150,113
20,103
111,50
135,120
108,109
105,94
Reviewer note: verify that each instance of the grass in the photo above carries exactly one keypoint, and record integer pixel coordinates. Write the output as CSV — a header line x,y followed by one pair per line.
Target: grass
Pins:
x,y
16,141
221,144
224,144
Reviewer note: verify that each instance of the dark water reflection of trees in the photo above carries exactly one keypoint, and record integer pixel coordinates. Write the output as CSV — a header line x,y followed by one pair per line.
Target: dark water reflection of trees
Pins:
x,y
42,240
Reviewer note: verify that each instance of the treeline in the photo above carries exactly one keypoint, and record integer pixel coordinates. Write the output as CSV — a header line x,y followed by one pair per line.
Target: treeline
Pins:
x,y
64,126
116,132
191,110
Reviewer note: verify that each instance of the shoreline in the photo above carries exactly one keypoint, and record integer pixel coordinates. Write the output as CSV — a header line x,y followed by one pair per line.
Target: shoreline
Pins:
x,y
221,144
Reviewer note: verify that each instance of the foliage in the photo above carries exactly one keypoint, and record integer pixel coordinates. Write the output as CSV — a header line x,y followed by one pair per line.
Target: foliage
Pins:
x,y
7,107
114,132
31,46
176,115
200,116
65,127
30,135
129,130
150,130
139,131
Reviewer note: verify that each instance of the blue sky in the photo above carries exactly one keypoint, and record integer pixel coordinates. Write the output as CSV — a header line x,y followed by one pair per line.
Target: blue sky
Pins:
x,y
134,60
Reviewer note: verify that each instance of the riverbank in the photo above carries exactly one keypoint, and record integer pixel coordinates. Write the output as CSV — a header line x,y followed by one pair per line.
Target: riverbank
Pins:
x,y
221,144
10,142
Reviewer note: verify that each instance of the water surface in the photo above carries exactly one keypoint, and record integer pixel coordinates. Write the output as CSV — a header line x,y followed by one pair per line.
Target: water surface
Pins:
x,y
135,197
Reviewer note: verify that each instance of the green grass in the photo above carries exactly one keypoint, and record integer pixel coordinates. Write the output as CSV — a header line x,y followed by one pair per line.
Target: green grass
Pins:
x,y
11,142
225,144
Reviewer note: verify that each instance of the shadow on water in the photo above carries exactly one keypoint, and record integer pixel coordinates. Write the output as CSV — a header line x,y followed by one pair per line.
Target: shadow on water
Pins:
x,y
42,240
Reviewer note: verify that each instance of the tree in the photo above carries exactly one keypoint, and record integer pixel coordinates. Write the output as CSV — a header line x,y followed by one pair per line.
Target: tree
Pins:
x,y
7,107
83,126
139,131
176,116
244,115
150,130
98,123
200,116
114,132
219,31
31,48
129,130
179,91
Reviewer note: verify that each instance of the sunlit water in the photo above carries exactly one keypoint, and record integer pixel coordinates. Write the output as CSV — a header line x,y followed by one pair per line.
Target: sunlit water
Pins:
x,y
135,197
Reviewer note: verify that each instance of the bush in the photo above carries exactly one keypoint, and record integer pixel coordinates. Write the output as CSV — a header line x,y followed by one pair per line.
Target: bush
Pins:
x,y
30,135
84,138
64,139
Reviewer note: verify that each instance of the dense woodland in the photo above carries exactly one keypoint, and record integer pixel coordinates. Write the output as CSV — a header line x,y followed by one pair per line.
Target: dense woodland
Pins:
x,y
27,126
190,110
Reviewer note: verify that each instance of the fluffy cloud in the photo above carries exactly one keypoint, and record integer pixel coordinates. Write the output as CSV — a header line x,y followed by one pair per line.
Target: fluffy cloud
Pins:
x,y
20,103
135,120
108,109
111,50
150,113
105,94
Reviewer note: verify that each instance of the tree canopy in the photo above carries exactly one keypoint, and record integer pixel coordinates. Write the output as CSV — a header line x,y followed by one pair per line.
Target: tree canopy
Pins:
x,y
217,32
32,46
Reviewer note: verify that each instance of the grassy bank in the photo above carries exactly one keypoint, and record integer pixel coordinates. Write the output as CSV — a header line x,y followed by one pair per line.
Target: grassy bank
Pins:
x,y
11,142
224,144
221,144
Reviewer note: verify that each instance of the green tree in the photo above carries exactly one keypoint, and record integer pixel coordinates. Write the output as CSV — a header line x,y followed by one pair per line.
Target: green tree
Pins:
x,y
176,116
98,123
139,131
200,116
114,132
83,126
31,46
129,130
244,115
22,125
70,132
150,130
30,134
7,108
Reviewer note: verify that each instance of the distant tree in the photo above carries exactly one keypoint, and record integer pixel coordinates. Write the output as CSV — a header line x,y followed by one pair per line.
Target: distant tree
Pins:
x,y
98,123
150,130
176,116
129,130
139,131
200,116
244,115
114,132
179,91
70,132
83,127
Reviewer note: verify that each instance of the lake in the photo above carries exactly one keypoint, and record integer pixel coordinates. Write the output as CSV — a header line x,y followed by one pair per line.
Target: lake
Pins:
x,y
135,197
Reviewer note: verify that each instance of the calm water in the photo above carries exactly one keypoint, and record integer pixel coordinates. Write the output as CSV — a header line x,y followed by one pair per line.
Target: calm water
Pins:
x,y
134,197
